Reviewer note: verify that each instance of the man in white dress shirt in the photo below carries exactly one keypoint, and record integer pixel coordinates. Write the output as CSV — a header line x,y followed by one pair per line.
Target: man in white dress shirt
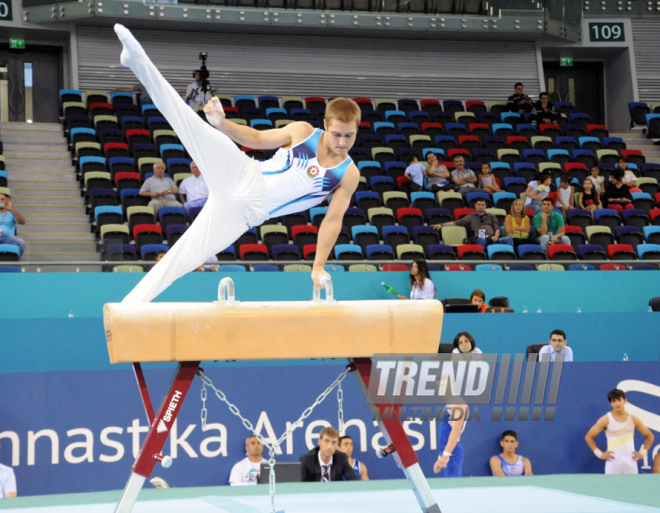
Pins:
x,y
195,190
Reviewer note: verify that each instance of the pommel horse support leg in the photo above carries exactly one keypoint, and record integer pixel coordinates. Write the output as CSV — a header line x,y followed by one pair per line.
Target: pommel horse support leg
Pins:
x,y
189,333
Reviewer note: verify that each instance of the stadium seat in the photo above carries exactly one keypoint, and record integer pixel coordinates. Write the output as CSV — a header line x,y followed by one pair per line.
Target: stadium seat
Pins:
x,y
457,267
591,252
500,252
396,268
561,252
470,251
581,267
253,252
648,251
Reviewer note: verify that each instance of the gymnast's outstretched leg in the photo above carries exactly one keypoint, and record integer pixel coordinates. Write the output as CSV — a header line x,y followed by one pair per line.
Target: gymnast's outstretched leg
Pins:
x,y
236,190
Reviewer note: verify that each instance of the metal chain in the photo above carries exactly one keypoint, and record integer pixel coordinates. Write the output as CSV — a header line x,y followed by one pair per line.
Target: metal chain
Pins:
x,y
340,410
272,448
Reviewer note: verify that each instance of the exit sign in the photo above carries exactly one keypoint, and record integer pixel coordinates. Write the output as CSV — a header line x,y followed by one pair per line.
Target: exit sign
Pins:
x,y
566,62
17,43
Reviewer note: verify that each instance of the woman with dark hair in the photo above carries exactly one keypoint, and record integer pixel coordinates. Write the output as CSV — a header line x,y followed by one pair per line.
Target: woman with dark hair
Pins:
x,y
421,286
464,343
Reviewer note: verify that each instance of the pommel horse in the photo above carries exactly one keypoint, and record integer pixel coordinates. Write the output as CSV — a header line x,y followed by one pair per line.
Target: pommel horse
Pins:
x,y
190,333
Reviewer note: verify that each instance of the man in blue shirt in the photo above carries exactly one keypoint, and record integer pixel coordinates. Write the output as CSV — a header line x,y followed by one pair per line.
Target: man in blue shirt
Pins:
x,y
8,219
557,345
415,171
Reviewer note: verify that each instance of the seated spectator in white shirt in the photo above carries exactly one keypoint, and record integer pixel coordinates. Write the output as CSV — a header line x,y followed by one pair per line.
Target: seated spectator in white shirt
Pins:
x,y
629,177
596,179
464,343
161,189
194,188
247,471
415,171
7,482
421,286
557,345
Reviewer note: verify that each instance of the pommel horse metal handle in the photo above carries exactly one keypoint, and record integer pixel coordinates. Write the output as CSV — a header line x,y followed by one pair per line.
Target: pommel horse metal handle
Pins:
x,y
329,295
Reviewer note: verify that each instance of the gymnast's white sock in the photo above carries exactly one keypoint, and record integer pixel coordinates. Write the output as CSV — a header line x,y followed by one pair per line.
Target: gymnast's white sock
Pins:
x,y
131,45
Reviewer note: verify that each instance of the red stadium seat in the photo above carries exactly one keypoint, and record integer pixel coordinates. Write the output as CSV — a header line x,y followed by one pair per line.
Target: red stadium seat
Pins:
x,y
623,250
461,212
457,267
572,229
309,251
458,151
254,252
561,250
431,126
613,267
469,251
396,267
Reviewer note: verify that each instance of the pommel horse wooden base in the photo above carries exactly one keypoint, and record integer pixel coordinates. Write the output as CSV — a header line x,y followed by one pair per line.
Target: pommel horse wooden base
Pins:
x,y
191,332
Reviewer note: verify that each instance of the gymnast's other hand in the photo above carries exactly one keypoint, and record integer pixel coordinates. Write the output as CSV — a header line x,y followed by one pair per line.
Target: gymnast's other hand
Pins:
x,y
440,463
215,114
316,276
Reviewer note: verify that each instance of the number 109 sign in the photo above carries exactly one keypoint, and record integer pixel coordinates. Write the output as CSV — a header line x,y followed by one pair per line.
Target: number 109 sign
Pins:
x,y
606,32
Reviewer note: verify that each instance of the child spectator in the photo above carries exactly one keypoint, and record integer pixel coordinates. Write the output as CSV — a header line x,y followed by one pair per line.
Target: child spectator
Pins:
x,y
9,217
589,199
464,343
517,225
415,171
537,190
565,199
486,180
421,286
437,176
479,298
597,180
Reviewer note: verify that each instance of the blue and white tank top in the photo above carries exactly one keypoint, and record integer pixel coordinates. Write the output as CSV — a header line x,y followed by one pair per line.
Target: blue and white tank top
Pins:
x,y
445,429
296,181
356,467
512,469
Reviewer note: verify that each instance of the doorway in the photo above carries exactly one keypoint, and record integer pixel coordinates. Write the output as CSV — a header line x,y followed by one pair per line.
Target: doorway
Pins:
x,y
30,81
581,84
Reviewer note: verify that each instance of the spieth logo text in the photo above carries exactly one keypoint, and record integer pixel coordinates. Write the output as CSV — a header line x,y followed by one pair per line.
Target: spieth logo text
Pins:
x,y
172,406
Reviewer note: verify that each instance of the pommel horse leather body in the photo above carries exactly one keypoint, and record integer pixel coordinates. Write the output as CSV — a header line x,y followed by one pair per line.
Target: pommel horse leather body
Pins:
x,y
179,332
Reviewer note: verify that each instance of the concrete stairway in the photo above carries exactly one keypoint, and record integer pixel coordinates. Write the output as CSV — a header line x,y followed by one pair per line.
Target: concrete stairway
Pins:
x,y
45,191
636,140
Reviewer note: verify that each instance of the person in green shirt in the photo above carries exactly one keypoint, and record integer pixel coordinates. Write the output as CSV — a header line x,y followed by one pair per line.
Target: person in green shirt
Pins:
x,y
550,225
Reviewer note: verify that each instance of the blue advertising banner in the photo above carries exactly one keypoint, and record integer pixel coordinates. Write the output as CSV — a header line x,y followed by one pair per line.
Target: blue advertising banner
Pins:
x,y
67,432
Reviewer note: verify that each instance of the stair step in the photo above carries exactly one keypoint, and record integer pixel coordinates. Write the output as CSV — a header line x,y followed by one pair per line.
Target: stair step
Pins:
x,y
56,236
64,269
59,217
58,192
38,161
50,208
20,125
18,140
54,227
51,152
71,182
41,175
31,168
60,246
27,197
61,256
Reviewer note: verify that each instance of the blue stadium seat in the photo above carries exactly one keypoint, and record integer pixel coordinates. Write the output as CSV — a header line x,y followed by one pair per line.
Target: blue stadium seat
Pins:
x,y
380,252
521,267
581,267
232,268
503,250
650,251
352,251
148,249
263,268
488,267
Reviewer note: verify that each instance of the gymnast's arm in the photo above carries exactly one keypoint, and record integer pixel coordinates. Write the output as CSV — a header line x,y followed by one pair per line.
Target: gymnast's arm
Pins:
x,y
274,139
331,224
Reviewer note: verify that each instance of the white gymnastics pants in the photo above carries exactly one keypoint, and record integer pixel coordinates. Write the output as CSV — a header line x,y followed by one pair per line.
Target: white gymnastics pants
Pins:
x,y
237,193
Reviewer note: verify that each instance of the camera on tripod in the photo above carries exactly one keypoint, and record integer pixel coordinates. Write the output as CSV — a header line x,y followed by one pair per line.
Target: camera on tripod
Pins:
x,y
203,73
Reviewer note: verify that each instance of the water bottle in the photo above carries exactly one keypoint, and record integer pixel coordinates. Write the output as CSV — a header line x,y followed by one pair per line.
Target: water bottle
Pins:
x,y
579,310
70,314
538,309
625,357
650,309
524,309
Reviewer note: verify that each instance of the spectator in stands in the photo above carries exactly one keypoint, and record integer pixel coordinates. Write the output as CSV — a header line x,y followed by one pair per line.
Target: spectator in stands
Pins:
x,y
160,255
437,176
629,177
140,92
617,194
487,181
565,195
463,179
464,343
519,101
597,180
195,97
485,227
193,191
324,463
537,190
543,111
208,267
421,286
161,188
479,298
346,446
9,217
508,463
7,482
517,225
557,345
248,470
550,225
415,172
589,199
